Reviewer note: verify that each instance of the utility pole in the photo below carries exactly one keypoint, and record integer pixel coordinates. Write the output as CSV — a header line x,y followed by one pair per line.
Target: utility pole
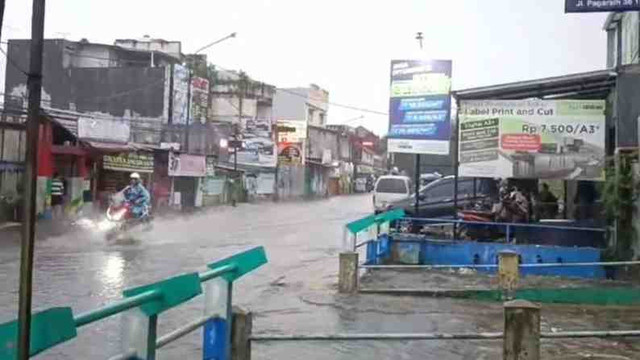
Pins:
x,y
191,64
2,3
276,195
235,135
34,85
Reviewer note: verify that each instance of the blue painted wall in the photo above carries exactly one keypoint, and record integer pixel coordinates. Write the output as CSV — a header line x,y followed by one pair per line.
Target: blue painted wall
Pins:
x,y
464,252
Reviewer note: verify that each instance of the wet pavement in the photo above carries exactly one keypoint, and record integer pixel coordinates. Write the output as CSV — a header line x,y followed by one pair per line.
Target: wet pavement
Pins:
x,y
294,293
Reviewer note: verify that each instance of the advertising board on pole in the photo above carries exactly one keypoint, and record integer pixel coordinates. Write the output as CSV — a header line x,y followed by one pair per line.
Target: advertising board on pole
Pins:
x,y
546,139
576,6
420,107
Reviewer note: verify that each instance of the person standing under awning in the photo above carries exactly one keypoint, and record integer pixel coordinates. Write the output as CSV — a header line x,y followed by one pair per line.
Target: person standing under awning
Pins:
x,y
57,197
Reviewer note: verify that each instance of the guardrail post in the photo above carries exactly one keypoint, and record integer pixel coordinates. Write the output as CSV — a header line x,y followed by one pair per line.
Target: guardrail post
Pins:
x,y
348,273
508,273
140,333
152,335
521,331
215,343
241,327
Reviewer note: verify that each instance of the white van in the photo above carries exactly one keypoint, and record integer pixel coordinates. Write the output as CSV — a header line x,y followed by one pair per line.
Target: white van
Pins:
x,y
390,189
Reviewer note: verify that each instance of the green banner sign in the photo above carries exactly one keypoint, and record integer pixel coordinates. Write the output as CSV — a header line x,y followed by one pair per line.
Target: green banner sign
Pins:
x,y
138,162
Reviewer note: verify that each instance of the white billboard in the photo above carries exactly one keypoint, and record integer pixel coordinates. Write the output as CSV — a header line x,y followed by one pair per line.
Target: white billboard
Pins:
x,y
545,139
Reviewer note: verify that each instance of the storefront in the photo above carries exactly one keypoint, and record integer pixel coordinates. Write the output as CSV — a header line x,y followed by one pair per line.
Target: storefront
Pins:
x,y
187,173
561,138
116,168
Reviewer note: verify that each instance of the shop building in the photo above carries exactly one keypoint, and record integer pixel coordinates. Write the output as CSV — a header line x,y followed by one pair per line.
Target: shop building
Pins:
x,y
243,109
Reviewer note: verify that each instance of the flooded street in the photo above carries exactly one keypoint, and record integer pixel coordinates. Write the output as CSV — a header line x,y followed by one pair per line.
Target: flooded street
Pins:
x,y
294,293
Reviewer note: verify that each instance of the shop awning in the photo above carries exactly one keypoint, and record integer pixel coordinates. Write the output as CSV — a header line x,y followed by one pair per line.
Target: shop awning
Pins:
x,y
121,147
319,163
587,85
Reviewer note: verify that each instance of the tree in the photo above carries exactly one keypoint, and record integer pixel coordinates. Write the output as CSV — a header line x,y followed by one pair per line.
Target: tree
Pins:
x,y
619,198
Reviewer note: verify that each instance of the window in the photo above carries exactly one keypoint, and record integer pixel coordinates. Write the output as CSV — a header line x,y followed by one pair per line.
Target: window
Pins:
x,y
465,188
392,186
440,192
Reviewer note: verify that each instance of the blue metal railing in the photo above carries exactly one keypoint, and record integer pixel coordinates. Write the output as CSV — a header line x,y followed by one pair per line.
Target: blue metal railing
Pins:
x,y
526,231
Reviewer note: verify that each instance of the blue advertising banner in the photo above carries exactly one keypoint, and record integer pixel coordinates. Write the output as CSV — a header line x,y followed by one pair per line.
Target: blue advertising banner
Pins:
x,y
576,6
420,107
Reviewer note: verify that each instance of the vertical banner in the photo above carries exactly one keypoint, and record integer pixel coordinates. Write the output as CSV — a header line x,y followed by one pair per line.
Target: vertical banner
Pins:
x,y
545,139
180,94
199,99
420,107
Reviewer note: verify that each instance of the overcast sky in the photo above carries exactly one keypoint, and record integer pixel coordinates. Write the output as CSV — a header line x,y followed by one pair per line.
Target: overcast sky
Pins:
x,y
344,46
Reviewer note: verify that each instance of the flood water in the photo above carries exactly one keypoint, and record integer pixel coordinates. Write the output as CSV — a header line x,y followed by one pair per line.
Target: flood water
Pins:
x,y
295,293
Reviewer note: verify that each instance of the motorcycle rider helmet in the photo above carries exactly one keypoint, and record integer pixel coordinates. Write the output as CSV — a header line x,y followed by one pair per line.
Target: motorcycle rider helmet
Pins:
x,y
134,175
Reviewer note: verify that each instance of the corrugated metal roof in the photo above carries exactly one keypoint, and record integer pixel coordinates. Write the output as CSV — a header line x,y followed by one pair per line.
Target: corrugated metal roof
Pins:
x,y
591,85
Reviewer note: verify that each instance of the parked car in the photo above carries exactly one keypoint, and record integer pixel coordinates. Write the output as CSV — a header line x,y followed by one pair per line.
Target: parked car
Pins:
x,y
436,198
390,189
426,179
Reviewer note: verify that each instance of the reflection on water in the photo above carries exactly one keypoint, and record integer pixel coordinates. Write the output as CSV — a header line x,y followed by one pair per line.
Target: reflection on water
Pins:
x,y
111,273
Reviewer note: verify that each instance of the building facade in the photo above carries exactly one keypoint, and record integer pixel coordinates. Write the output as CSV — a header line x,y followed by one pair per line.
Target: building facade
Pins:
x,y
241,108
109,108
303,109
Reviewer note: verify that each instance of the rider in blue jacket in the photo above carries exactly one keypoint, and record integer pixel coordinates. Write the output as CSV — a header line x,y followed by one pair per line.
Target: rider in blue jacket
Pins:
x,y
137,195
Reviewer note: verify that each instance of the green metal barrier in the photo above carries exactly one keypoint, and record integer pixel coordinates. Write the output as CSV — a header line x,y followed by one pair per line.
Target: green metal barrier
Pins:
x,y
369,228
57,325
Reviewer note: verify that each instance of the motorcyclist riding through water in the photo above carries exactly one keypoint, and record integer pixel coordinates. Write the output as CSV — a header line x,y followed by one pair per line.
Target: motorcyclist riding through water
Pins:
x,y
137,196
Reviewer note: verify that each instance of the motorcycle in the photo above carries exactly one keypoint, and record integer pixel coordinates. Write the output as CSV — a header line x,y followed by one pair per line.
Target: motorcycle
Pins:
x,y
512,208
120,218
479,212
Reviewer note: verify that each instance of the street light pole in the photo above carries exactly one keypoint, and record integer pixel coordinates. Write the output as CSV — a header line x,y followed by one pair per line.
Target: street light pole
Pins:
x,y
417,170
186,136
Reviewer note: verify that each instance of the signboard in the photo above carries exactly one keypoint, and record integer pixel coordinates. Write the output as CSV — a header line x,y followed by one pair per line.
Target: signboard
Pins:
x,y
420,107
187,165
546,139
131,162
576,6
290,153
291,131
266,183
257,147
214,185
199,99
180,94
170,146
104,129
211,165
